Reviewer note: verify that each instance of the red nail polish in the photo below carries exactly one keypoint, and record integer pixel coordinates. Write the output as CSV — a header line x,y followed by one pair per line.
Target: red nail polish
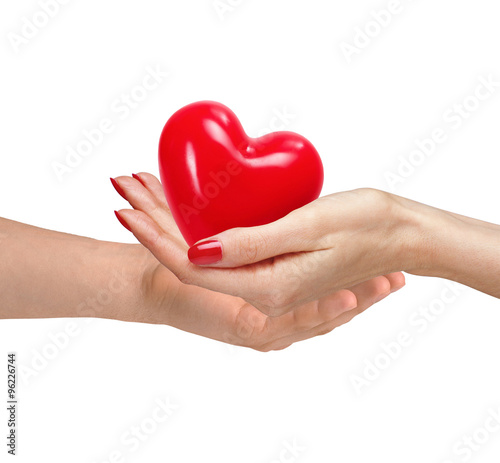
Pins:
x,y
205,253
120,219
138,178
117,188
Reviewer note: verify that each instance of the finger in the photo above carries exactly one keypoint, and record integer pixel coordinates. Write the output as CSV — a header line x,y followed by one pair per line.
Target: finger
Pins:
x,y
369,293
365,294
397,280
153,185
378,286
169,252
294,326
141,198
299,230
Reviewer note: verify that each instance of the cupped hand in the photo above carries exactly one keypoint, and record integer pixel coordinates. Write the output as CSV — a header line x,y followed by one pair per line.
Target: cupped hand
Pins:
x,y
232,320
268,283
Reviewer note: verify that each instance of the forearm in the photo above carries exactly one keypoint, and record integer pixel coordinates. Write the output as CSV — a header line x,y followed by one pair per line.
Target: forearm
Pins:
x,y
47,274
455,247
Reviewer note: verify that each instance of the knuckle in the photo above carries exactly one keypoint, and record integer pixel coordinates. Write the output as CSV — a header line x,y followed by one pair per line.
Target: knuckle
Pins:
x,y
185,281
152,239
250,244
377,199
246,328
154,209
309,217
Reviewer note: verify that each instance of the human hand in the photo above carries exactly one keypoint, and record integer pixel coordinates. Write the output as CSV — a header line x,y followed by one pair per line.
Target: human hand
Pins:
x,y
153,225
232,320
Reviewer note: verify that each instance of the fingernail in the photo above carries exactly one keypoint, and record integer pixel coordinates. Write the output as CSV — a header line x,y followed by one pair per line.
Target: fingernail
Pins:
x,y
117,187
205,253
138,178
120,219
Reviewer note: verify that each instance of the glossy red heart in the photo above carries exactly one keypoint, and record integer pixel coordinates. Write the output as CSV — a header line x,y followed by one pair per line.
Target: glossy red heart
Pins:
x,y
215,177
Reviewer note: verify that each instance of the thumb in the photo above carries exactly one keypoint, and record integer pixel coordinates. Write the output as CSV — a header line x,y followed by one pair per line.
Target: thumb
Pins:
x,y
242,246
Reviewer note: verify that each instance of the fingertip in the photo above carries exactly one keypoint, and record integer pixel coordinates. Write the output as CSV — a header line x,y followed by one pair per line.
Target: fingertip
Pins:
x,y
348,299
147,176
122,221
397,281
117,187
338,303
382,289
207,252
138,178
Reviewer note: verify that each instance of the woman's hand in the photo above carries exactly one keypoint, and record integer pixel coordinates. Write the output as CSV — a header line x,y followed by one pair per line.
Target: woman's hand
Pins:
x,y
273,285
335,242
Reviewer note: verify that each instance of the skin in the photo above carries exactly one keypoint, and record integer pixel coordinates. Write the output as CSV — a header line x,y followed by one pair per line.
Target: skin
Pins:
x,y
51,274
335,242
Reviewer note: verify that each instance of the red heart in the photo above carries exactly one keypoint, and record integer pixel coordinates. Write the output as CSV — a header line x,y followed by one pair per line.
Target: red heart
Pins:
x,y
215,177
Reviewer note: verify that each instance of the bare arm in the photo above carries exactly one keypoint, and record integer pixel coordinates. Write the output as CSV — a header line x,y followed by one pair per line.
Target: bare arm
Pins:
x,y
50,274
456,247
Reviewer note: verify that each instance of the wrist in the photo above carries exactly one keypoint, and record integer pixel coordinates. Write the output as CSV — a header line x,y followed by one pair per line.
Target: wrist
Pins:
x,y
424,238
123,284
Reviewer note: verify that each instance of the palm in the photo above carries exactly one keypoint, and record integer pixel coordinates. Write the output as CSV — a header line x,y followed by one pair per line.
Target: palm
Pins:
x,y
230,319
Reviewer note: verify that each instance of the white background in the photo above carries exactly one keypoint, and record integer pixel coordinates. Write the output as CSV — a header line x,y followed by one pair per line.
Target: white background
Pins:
x,y
257,57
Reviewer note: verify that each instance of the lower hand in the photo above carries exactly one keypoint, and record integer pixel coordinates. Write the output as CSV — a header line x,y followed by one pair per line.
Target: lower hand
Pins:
x,y
231,319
